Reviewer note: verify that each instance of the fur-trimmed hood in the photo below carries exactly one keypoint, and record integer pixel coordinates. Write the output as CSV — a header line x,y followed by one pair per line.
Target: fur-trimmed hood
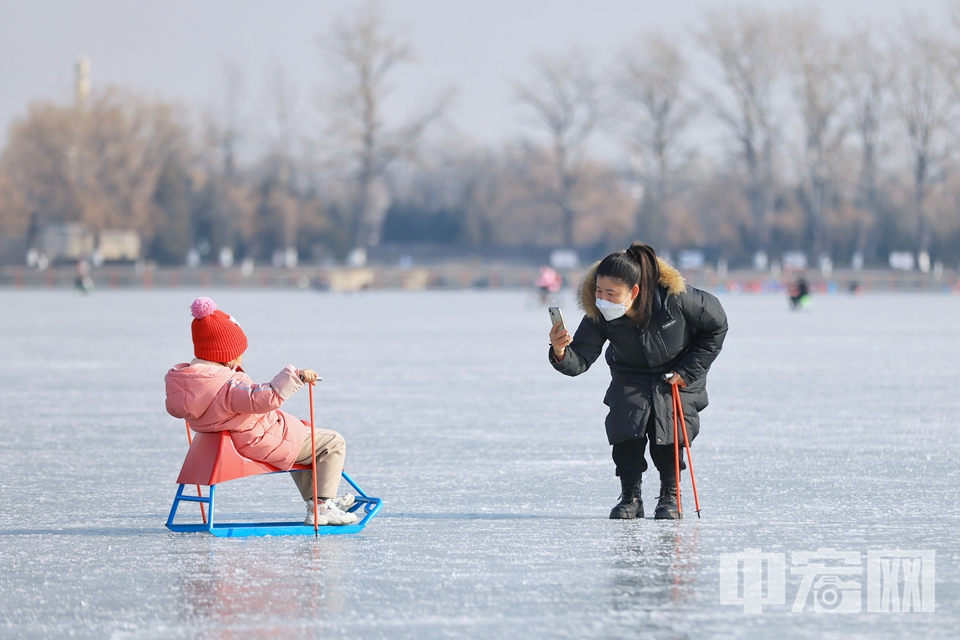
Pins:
x,y
670,279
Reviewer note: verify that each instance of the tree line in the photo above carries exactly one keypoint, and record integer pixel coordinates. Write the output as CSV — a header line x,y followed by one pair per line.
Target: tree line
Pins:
x,y
755,134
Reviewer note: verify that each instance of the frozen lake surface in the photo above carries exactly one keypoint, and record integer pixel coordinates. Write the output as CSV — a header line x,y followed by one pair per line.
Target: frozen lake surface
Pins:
x,y
829,429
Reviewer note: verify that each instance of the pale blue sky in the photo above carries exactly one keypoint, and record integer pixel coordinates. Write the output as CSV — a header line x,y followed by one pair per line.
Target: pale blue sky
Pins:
x,y
177,49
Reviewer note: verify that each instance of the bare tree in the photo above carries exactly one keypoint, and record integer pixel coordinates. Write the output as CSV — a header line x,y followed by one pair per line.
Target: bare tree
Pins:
x,y
364,56
815,64
14,216
655,111
867,75
282,133
564,94
926,106
225,127
746,49
283,98
98,165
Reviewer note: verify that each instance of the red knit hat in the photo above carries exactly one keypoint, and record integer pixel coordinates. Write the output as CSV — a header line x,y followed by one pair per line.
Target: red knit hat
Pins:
x,y
217,337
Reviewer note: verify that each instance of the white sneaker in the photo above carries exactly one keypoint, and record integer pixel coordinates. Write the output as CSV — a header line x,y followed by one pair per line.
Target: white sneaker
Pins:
x,y
345,501
321,519
334,514
329,514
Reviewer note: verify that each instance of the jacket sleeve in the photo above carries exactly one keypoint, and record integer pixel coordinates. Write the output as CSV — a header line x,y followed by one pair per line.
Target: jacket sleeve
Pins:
x,y
583,351
703,312
244,396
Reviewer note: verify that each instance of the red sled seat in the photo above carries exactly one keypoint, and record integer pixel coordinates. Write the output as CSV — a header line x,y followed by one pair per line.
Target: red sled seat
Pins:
x,y
212,459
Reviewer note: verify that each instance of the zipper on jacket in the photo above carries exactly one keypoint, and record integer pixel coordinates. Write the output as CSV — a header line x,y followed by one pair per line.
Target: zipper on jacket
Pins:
x,y
662,346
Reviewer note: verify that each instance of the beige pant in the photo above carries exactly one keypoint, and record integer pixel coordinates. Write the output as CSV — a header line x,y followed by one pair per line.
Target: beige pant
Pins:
x,y
331,450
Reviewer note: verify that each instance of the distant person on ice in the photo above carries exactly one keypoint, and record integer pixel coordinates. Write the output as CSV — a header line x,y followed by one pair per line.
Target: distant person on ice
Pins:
x,y
548,283
655,324
799,294
214,394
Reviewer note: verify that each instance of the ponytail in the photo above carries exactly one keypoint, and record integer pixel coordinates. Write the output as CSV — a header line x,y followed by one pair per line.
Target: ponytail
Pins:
x,y
635,266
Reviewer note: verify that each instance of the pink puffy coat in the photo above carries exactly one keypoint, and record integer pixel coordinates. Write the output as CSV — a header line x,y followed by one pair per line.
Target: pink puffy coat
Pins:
x,y
212,397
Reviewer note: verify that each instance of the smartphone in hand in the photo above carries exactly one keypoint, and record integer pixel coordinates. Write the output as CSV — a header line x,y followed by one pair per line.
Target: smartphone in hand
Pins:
x,y
555,317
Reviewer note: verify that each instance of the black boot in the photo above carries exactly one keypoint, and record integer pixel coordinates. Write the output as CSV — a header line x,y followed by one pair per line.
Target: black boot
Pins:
x,y
630,505
667,504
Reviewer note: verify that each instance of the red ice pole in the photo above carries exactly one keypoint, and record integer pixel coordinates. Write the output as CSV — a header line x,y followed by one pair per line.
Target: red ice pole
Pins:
x,y
313,460
678,410
203,514
676,448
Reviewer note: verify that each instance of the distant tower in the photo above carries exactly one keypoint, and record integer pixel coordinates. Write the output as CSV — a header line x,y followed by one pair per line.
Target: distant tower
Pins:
x,y
83,80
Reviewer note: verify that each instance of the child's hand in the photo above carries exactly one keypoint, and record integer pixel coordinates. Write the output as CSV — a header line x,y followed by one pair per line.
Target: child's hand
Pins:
x,y
308,375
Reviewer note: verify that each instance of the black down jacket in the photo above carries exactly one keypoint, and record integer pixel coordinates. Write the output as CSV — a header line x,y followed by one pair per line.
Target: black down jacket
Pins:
x,y
685,334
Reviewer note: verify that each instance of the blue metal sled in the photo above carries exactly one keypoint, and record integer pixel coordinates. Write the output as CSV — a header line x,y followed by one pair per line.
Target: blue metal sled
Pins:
x,y
370,506
213,459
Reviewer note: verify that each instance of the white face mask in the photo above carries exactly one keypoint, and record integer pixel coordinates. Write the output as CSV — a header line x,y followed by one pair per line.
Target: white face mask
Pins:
x,y
611,310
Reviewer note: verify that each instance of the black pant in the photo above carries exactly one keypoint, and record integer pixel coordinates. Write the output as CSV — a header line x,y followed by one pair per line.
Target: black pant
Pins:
x,y
628,456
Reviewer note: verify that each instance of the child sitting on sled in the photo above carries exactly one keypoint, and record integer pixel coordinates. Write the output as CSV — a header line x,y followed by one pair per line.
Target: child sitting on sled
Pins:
x,y
213,393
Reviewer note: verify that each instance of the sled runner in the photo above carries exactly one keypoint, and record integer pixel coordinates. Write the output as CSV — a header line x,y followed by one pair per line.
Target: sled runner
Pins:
x,y
212,459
